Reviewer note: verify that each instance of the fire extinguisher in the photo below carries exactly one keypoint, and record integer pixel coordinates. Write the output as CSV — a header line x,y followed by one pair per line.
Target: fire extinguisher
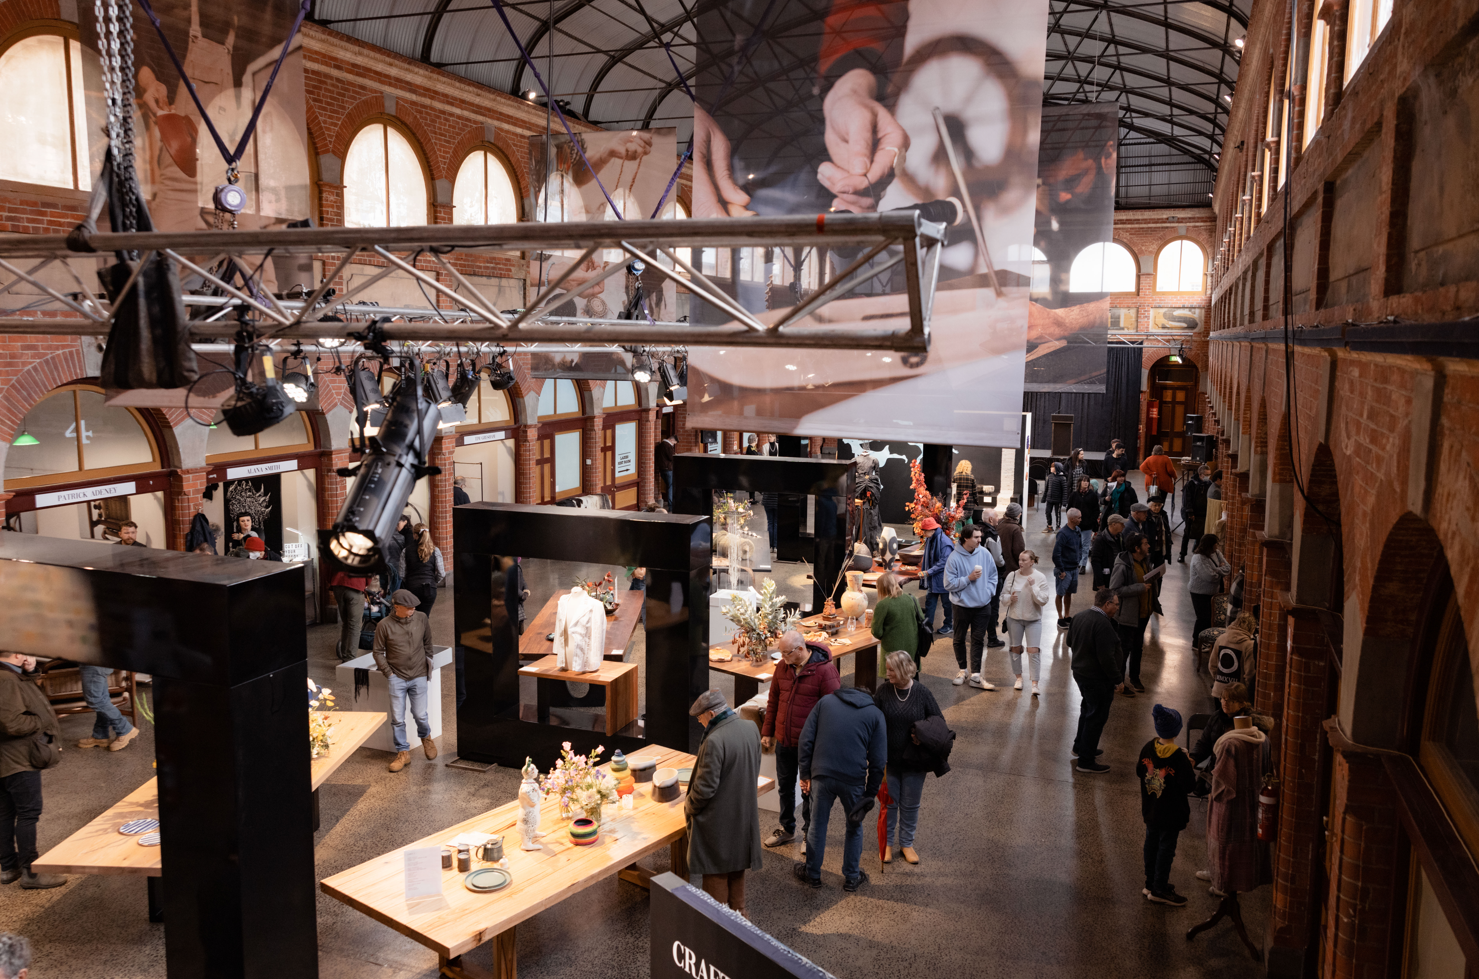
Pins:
x,y
1268,809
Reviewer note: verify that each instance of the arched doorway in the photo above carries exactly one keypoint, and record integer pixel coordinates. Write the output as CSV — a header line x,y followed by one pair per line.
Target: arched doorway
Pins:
x,y
1171,392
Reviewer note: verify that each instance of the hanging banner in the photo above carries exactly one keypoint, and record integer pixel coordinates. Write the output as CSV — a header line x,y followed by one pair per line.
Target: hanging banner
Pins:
x,y
811,106
633,167
1067,337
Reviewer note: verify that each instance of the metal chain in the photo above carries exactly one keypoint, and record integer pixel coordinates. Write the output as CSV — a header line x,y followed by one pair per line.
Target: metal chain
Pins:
x,y
115,43
126,116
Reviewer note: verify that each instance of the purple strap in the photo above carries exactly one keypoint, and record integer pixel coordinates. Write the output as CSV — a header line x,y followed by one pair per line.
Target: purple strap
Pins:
x,y
231,158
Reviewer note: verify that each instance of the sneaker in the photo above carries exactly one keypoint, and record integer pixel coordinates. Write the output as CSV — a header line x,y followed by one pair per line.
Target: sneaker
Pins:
x,y
1035,691
780,837
1018,684
91,743
1204,875
862,878
40,882
123,740
1090,768
947,631
1097,752
995,643
1139,687
976,681
798,870
1168,897
959,678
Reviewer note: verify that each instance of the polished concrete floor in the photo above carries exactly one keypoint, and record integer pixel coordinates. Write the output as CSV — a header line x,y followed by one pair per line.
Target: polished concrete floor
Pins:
x,y
1028,869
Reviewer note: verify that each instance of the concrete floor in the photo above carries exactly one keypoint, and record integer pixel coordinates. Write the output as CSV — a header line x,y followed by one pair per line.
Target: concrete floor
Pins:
x,y
1027,868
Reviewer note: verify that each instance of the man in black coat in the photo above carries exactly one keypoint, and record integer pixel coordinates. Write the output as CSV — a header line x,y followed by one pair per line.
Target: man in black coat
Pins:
x,y
1105,548
1095,644
1194,509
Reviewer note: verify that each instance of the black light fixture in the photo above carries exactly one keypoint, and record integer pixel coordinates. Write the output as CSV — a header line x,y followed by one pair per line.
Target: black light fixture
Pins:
x,y
465,384
298,383
641,365
255,407
437,388
395,457
675,388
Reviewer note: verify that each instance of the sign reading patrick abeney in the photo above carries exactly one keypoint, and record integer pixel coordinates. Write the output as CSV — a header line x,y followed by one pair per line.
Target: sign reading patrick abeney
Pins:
x,y
695,937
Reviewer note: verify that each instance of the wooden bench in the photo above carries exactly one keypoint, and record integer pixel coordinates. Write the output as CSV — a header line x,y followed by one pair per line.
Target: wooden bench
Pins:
x,y
458,921
98,848
619,679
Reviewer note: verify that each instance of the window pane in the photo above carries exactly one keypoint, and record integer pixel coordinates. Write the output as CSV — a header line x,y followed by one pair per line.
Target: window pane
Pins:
x,y
625,444
469,202
364,179
1315,85
110,436
1103,267
608,395
220,441
407,182
547,399
79,118
494,406
567,402
52,423
289,431
503,193
1433,950
567,461
35,126
626,394
1179,268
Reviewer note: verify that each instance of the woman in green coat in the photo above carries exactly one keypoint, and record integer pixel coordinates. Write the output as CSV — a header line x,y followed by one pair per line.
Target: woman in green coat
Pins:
x,y
896,621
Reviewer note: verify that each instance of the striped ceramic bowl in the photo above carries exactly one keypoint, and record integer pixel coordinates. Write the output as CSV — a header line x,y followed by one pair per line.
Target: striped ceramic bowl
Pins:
x,y
583,831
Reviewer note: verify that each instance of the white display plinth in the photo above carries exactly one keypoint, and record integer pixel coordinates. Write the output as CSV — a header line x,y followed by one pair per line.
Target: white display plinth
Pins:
x,y
378,697
721,630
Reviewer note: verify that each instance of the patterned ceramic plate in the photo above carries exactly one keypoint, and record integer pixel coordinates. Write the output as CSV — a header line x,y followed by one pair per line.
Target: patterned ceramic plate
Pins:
x,y
487,880
138,826
685,775
149,839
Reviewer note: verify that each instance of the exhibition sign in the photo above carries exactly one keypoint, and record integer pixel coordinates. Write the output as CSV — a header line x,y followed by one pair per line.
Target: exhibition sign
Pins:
x,y
902,104
695,937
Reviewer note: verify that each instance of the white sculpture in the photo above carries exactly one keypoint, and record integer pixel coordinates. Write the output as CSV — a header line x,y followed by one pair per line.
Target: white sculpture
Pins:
x,y
530,799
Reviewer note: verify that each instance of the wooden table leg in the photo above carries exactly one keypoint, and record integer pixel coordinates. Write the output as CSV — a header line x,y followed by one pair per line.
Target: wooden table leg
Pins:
x,y
505,964
156,898
636,874
745,687
679,853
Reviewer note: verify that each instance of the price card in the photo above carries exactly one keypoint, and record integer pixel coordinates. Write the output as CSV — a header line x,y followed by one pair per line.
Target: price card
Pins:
x,y
423,872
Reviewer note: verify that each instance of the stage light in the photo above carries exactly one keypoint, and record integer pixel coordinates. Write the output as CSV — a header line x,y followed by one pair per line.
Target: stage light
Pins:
x,y
298,383
641,365
501,378
465,385
364,387
674,388
436,387
394,459
26,438
1240,41
258,407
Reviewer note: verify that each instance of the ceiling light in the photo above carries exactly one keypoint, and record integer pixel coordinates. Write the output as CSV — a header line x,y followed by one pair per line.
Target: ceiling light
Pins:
x,y
641,374
394,460
530,94
674,387
26,438
790,367
1227,99
256,407
330,343
1240,41
299,385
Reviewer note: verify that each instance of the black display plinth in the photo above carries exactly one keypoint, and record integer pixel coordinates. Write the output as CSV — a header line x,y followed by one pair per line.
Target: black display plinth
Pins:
x,y
225,643
696,476
674,549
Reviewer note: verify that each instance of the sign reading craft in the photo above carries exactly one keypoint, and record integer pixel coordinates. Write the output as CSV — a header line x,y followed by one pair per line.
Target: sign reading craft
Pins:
x,y
694,937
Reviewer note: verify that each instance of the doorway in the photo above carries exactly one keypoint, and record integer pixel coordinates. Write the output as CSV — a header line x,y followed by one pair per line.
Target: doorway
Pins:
x,y
1171,394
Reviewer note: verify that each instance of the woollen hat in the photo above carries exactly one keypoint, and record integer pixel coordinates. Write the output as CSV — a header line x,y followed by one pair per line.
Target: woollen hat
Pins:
x,y
404,598
710,699
1167,721
254,544
1014,511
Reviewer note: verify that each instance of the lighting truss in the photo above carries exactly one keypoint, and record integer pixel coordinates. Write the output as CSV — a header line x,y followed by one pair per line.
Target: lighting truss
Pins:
x,y
864,247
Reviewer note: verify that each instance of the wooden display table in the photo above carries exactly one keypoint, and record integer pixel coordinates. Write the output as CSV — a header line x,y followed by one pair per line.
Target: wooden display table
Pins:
x,y
620,626
747,678
619,679
98,847
459,920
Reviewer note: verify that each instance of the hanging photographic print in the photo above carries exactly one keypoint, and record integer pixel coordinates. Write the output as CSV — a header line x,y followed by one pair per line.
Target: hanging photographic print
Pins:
x,y
633,167
1067,347
810,106
1177,319
261,499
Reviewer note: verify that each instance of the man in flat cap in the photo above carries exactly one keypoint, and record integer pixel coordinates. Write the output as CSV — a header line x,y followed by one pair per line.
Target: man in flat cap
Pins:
x,y
721,806
403,655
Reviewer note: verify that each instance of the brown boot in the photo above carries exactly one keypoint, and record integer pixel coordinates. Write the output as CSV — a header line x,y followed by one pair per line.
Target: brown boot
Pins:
x,y
909,855
888,855
430,747
402,759
122,741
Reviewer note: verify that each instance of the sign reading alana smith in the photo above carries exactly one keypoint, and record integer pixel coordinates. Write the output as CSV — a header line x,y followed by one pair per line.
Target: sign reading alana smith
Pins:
x,y
695,937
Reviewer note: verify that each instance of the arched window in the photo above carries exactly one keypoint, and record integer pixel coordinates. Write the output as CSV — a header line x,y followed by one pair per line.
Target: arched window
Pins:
x,y
43,115
1365,20
384,183
1179,267
485,191
558,399
290,435
618,395
1105,266
72,434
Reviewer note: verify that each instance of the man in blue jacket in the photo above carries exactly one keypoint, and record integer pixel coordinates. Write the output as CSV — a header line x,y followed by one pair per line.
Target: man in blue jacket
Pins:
x,y
844,747
1067,555
970,577
937,548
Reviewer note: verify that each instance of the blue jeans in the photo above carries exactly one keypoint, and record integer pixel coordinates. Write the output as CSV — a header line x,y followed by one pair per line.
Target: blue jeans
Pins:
x,y
772,519
667,482
95,691
400,690
1087,536
930,601
904,788
825,791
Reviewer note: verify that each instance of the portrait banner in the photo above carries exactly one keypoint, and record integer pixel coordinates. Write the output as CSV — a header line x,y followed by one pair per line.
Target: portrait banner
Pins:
x,y
806,107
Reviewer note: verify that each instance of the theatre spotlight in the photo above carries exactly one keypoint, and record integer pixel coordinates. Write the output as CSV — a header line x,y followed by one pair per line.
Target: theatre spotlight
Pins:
x,y
394,459
437,388
298,383
674,388
256,407
641,365
464,385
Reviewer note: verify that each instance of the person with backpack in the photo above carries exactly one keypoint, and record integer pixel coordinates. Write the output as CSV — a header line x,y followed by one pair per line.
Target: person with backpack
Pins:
x,y
937,549
29,733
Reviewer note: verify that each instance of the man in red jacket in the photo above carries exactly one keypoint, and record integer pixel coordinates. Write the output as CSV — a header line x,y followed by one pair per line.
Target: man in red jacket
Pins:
x,y
804,676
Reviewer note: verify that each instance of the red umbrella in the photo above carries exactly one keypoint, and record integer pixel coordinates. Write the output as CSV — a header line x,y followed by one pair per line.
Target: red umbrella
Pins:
x,y
883,800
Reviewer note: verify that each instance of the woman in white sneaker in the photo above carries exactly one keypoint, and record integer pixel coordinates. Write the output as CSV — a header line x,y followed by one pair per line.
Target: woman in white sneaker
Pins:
x,y
1023,596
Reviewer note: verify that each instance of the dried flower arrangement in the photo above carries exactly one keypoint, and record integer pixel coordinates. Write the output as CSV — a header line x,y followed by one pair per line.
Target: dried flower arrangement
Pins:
x,y
728,506
320,701
761,625
926,504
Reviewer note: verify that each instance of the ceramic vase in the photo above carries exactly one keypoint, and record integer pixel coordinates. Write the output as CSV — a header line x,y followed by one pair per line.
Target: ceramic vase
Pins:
x,y
584,830
626,782
854,602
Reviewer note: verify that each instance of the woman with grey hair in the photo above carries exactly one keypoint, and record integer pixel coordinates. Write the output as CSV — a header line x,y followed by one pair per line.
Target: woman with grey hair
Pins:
x,y
904,702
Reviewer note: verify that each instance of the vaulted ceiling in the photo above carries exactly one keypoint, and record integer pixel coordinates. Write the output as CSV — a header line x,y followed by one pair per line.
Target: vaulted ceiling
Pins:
x,y
1171,65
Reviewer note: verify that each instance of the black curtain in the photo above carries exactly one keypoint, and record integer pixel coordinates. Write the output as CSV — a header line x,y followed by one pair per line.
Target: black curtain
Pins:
x,y
1097,418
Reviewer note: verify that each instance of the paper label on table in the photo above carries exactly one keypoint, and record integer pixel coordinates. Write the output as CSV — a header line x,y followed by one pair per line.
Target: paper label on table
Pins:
x,y
423,872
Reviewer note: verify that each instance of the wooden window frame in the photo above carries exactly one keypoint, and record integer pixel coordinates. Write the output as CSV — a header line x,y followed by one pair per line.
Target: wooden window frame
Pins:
x,y
271,451
417,150
508,167
69,34
1155,281
81,474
